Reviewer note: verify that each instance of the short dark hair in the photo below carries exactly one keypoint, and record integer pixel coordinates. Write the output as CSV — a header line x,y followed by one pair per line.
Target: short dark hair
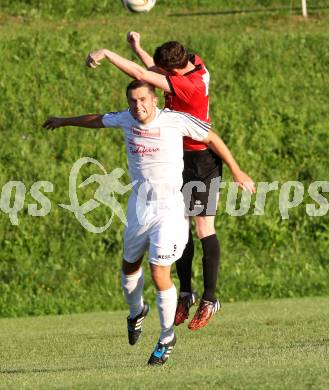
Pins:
x,y
171,55
138,84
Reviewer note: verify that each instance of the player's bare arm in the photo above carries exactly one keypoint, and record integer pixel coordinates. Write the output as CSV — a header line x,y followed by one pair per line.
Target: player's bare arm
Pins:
x,y
128,67
93,121
133,38
219,147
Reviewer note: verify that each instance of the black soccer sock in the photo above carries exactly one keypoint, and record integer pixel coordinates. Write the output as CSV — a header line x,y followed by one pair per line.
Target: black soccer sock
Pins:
x,y
184,266
210,265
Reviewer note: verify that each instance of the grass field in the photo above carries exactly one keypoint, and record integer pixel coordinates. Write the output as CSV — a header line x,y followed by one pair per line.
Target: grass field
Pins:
x,y
275,344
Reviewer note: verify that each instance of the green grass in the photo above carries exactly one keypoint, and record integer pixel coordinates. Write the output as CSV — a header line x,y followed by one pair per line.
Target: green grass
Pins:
x,y
277,344
269,101
87,8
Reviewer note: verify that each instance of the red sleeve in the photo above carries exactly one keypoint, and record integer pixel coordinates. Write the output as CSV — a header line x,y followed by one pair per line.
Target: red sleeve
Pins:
x,y
182,87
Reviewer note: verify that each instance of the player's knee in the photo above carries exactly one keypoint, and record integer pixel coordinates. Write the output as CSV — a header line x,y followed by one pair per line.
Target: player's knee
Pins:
x,y
161,277
130,268
204,226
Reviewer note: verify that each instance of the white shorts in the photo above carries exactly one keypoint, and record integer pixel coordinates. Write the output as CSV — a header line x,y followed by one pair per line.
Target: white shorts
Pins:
x,y
162,231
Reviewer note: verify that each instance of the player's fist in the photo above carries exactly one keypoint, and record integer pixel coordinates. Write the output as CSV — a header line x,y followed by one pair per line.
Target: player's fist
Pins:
x,y
134,38
93,59
53,123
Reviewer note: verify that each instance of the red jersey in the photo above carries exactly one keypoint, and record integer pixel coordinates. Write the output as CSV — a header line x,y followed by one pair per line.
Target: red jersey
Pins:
x,y
189,93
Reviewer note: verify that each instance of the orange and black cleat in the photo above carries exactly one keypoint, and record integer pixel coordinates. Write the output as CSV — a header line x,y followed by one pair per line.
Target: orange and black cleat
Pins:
x,y
183,307
203,314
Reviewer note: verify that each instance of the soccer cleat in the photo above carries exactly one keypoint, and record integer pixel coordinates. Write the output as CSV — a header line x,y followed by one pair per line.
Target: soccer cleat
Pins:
x,y
183,306
161,353
203,314
135,325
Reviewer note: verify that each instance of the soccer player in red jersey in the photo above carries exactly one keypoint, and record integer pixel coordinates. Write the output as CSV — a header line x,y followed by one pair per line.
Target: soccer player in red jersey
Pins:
x,y
185,81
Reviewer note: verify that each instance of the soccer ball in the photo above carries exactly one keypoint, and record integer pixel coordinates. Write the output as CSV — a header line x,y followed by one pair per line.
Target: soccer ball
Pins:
x,y
139,5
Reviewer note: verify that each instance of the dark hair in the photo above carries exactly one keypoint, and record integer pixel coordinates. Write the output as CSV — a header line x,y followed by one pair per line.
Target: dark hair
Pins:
x,y
138,84
171,55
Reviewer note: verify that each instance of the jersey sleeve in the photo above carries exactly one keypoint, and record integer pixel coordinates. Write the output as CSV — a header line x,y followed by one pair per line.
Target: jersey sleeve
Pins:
x,y
182,87
193,127
115,119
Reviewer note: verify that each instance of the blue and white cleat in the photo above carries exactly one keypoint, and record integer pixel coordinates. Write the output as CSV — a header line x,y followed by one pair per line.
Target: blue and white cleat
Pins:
x,y
161,353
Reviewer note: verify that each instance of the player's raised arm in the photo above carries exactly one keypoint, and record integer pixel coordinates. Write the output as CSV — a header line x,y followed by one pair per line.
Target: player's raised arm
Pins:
x,y
92,121
128,67
219,147
133,38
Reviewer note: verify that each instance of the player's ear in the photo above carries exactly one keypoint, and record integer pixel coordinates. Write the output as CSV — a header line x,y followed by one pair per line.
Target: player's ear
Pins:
x,y
155,101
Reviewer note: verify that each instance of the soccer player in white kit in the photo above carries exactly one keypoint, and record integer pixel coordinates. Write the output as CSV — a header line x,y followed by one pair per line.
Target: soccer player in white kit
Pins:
x,y
184,79
156,217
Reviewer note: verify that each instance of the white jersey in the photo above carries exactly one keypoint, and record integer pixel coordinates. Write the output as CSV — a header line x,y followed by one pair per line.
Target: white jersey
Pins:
x,y
155,149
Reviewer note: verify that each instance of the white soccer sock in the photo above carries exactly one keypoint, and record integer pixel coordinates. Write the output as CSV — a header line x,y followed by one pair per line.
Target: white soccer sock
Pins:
x,y
166,302
133,289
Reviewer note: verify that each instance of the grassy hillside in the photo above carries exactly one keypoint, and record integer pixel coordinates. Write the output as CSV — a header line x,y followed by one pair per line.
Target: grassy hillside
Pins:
x,y
269,95
277,344
89,8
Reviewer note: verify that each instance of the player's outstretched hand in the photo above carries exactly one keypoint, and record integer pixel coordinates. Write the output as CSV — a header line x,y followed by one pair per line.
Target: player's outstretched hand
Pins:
x,y
94,58
53,123
244,181
134,38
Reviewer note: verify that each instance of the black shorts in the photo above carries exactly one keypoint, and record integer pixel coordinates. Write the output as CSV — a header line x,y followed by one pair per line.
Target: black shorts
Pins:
x,y
201,177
